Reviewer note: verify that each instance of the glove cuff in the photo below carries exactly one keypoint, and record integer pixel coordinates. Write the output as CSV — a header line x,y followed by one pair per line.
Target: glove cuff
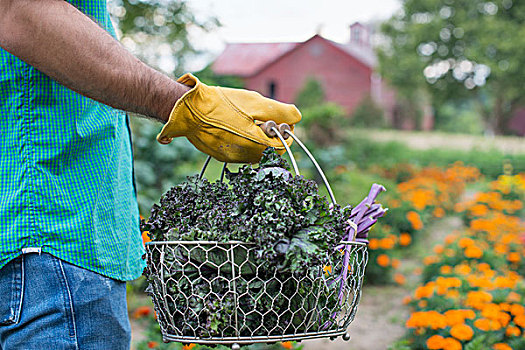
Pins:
x,y
191,81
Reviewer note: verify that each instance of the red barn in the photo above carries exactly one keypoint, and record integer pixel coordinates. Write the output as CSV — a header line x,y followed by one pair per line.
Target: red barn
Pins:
x,y
280,70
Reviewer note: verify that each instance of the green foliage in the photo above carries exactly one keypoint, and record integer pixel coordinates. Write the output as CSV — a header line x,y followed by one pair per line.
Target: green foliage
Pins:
x,y
364,153
460,117
478,343
158,167
311,94
368,114
456,50
158,30
207,76
323,123
400,345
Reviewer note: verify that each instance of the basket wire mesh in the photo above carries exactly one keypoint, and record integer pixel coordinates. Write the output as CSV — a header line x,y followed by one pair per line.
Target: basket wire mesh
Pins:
x,y
196,285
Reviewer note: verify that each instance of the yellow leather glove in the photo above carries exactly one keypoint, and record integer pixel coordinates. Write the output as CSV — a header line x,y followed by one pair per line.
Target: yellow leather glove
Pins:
x,y
222,122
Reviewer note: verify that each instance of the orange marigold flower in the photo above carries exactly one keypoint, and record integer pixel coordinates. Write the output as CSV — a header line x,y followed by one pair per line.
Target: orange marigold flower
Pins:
x,y
458,316
145,237
512,331
479,210
438,212
432,319
449,239
427,260
188,346
520,320
501,248
415,220
513,297
383,260
438,249
517,309
470,314
483,324
422,304
461,332
396,263
407,300
465,242
425,291
504,306
490,311
459,207
501,346
386,243
399,279
394,203
478,299
287,345
405,239
152,344
503,318
483,266
373,244
454,317
513,257
473,252
435,342
462,269
141,311
445,269
452,344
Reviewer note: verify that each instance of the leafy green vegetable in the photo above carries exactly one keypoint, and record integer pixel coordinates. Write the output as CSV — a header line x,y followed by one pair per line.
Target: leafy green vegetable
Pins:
x,y
291,233
266,206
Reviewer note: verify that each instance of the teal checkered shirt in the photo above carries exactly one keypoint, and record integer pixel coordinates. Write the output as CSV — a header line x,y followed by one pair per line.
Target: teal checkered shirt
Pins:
x,y
66,171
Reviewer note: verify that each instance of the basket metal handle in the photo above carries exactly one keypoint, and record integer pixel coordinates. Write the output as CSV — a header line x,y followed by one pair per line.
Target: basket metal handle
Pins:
x,y
282,137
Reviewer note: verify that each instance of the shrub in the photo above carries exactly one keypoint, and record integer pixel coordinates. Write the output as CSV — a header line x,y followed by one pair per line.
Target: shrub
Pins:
x,y
368,114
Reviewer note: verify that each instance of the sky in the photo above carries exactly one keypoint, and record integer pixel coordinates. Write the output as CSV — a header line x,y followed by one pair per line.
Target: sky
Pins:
x,y
284,20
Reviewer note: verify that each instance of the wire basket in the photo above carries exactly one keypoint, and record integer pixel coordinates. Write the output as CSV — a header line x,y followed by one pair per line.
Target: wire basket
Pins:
x,y
232,284
195,284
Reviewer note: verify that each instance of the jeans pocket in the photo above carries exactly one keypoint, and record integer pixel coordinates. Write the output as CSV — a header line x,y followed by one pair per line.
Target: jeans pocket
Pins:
x,y
11,291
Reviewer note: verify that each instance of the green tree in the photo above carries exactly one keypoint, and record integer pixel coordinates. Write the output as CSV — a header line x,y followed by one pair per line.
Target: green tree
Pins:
x,y
458,49
158,31
311,94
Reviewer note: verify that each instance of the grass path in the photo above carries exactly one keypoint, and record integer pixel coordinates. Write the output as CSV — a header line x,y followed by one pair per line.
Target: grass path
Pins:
x,y
381,314
427,140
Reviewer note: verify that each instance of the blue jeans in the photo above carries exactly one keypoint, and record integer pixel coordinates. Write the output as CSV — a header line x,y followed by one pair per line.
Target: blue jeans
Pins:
x,y
46,303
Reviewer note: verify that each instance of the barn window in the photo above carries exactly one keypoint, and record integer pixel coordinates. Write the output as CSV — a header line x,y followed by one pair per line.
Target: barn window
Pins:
x,y
272,89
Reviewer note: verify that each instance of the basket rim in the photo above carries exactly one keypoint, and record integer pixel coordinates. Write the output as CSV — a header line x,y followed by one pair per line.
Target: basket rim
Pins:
x,y
232,243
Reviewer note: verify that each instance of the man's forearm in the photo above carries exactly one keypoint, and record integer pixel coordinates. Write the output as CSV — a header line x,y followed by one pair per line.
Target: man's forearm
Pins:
x,y
63,43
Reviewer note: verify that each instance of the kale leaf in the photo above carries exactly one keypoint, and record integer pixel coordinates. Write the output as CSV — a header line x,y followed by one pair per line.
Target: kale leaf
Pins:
x,y
291,230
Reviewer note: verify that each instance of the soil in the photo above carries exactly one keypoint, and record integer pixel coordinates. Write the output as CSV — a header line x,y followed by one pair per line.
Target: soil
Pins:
x,y
378,323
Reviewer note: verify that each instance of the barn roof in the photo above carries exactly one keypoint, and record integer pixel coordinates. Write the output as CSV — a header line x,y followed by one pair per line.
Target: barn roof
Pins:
x,y
364,54
246,59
